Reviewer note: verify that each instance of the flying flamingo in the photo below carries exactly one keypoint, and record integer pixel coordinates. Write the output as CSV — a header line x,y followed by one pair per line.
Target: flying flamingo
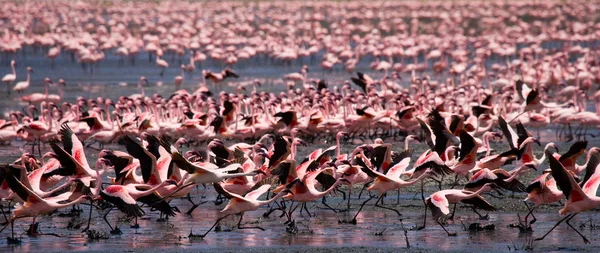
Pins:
x,y
390,181
581,197
439,203
34,205
241,204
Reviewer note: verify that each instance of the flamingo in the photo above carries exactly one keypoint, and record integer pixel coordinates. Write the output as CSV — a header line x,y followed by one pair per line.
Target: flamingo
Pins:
x,y
581,197
9,78
23,85
440,201
34,205
242,204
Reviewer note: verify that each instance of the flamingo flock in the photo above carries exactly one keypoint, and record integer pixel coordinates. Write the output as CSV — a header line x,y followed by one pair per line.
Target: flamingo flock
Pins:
x,y
447,80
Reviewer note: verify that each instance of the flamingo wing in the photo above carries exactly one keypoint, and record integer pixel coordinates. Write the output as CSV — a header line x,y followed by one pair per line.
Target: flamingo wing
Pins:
x,y
374,174
574,151
73,145
399,168
225,193
159,203
439,206
281,150
479,202
510,134
592,164
147,160
67,162
565,181
467,145
118,196
18,187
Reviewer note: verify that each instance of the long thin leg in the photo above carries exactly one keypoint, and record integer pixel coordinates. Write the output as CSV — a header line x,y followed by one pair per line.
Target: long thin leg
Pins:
x,y
306,209
3,213
398,197
32,229
449,234
349,195
89,218
530,213
387,208
558,223
585,240
239,225
329,207
362,189
360,209
211,228
453,211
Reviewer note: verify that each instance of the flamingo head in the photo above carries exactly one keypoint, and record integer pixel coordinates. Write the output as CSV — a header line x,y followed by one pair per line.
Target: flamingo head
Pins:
x,y
551,145
170,182
342,134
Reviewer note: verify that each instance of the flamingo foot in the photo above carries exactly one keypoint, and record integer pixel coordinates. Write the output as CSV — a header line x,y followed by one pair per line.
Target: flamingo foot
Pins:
x,y
13,240
116,231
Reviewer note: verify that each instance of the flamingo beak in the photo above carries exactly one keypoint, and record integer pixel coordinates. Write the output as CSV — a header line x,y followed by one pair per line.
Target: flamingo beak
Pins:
x,y
539,143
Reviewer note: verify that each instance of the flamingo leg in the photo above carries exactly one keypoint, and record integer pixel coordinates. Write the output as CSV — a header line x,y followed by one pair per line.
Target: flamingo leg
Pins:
x,y
89,218
4,214
424,205
453,211
353,221
585,240
558,223
239,225
328,206
387,208
32,231
306,209
211,228
530,213
449,234
349,195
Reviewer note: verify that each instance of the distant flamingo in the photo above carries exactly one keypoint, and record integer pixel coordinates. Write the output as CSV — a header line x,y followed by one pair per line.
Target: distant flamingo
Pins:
x,y
23,85
9,78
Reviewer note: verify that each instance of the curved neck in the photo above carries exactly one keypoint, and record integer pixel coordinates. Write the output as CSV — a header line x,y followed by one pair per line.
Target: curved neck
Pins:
x,y
28,76
447,152
74,202
13,69
543,158
98,180
323,193
139,194
337,146
486,142
414,181
271,200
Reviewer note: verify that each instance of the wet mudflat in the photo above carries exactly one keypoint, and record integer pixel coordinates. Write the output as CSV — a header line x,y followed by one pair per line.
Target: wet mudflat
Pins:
x,y
376,230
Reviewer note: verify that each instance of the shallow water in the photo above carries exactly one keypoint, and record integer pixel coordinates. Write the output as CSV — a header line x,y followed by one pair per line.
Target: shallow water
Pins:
x,y
322,231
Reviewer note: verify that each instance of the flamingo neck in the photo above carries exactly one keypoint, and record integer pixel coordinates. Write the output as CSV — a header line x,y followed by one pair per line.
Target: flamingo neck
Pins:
x,y
486,142
337,146
271,200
